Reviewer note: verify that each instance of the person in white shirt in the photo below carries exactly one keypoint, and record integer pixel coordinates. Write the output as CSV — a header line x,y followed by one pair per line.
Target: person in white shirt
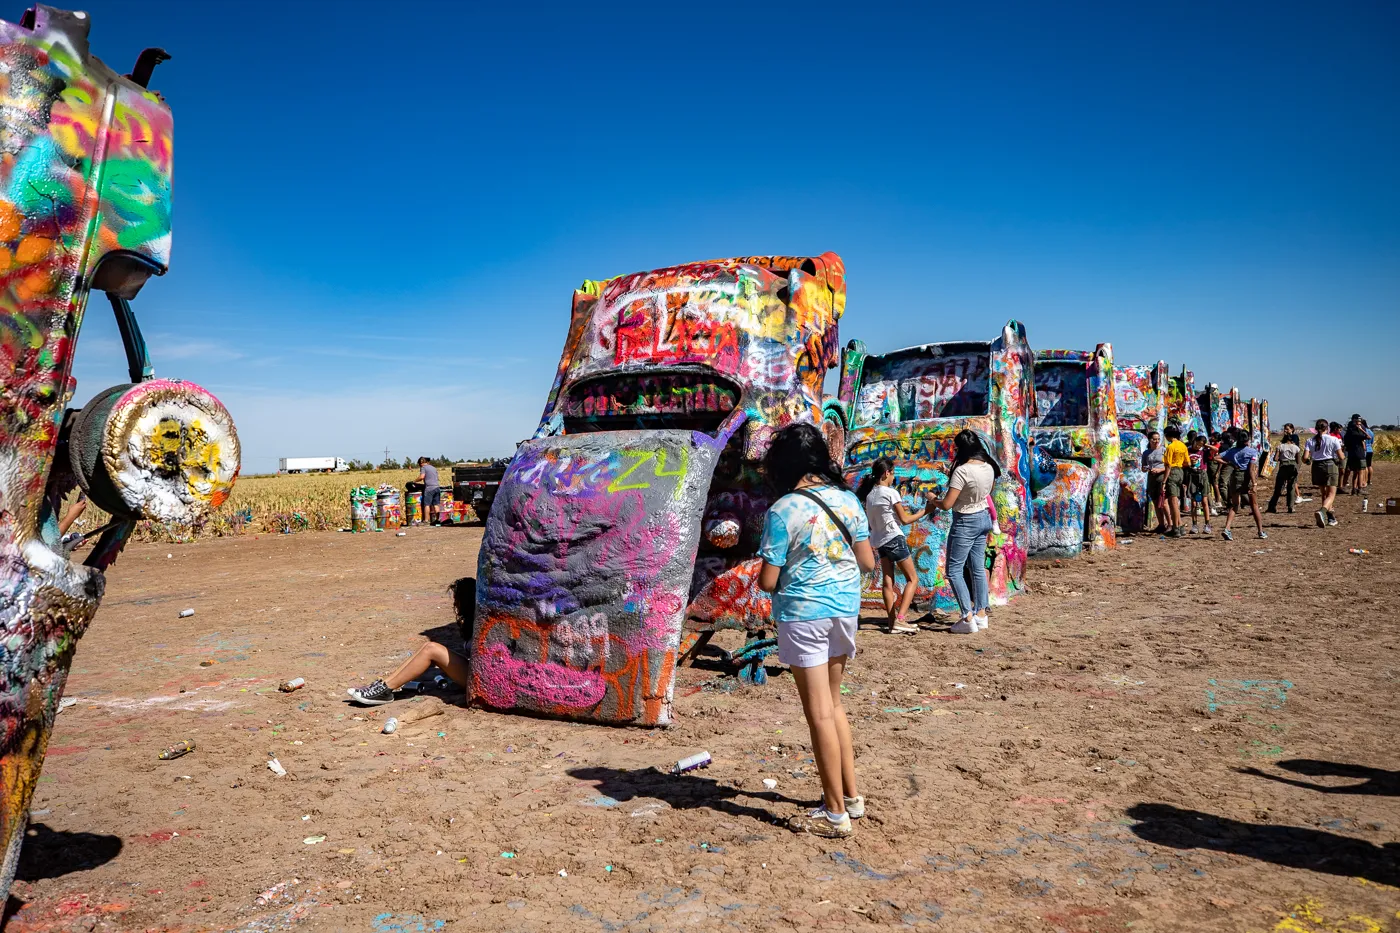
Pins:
x,y
969,495
885,512
1324,449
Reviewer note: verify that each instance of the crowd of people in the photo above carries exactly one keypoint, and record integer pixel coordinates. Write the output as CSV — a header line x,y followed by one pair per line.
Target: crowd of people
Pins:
x,y
820,539
1218,474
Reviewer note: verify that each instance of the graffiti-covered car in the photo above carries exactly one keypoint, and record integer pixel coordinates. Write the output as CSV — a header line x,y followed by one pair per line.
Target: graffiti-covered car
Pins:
x,y
1183,404
1140,394
908,406
638,503
1215,408
84,206
1258,412
1076,425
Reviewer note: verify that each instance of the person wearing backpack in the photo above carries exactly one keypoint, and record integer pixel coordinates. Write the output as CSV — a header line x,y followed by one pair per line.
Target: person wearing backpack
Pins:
x,y
815,547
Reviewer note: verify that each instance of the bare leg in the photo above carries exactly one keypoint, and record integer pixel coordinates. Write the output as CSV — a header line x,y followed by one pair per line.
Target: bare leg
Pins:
x,y
814,687
887,587
428,654
911,586
1254,507
836,669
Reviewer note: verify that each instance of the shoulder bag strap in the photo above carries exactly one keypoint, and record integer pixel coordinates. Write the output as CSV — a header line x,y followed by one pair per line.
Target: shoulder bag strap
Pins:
x,y
845,532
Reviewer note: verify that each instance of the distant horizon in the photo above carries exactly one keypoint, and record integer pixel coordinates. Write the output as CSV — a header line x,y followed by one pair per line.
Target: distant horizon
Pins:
x,y
373,248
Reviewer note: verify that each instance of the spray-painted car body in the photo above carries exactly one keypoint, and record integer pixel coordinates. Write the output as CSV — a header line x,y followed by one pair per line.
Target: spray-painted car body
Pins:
x,y
908,406
1238,409
638,504
1258,412
85,170
1183,406
1140,394
1215,408
1076,424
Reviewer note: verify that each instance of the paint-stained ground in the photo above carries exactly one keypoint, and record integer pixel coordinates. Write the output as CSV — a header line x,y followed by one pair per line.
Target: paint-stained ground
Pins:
x,y
1176,735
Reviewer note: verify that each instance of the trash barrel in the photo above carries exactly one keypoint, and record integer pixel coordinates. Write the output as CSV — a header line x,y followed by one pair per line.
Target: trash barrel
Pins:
x,y
388,510
413,507
362,499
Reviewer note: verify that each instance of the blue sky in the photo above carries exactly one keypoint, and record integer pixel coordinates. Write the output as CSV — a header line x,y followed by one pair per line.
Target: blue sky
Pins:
x,y
381,211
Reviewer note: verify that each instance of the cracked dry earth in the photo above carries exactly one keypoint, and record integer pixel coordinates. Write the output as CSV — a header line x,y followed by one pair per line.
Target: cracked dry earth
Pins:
x,y
1176,735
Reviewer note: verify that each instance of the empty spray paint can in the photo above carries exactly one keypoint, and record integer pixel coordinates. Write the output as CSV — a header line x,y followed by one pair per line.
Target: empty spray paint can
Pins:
x,y
1365,503
390,725
177,750
700,760
296,683
186,613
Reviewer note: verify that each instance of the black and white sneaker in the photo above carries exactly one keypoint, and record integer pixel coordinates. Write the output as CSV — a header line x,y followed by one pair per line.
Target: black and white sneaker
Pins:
x,y
375,694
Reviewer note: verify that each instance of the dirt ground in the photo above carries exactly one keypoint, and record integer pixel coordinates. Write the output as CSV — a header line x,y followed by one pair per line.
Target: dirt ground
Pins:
x,y
1174,735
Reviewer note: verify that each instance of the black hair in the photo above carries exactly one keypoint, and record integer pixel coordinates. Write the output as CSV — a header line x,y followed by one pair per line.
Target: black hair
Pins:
x,y
423,460
1335,425
1192,436
1320,426
1173,432
878,471
967,445
799,450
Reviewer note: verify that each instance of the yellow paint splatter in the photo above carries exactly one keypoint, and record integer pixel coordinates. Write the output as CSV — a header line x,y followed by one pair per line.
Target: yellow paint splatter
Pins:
x,y
1309,917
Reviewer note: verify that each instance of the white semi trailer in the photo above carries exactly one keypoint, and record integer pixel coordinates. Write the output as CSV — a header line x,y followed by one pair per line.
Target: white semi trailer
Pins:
x,y
311,465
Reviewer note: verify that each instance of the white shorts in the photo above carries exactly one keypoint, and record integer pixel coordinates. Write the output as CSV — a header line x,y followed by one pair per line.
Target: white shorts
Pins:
x,y
814,642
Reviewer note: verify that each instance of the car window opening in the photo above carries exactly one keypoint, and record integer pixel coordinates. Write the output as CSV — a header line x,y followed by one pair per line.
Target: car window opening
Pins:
x,y
1061,395
686,401
934,381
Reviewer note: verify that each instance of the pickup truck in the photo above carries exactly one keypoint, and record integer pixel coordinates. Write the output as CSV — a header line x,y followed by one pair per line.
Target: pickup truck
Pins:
x,y
475,484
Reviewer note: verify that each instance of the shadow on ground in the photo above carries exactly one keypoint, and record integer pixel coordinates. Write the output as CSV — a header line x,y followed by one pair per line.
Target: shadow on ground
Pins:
x,y
50,854
1290,846
682,791
1374,781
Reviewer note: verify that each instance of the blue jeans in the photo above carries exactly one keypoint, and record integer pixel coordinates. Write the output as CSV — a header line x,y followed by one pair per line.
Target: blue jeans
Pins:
x,y
967,543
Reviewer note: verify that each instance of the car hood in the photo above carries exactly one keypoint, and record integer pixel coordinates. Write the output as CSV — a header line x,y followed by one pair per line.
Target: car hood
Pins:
x,y
585,573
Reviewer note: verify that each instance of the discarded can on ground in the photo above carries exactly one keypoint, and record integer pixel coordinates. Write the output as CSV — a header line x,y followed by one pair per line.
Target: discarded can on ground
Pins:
x,y
390,725
1365,503
179,749
413,686
1357,550
186,613
441,681
700,760
296,683
276,768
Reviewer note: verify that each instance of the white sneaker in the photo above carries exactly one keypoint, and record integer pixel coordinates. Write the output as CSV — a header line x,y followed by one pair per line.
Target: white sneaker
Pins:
x,y
980,620
964,626
855,807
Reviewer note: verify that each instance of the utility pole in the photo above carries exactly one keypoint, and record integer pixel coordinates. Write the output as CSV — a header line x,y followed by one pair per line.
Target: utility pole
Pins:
x,y
386,454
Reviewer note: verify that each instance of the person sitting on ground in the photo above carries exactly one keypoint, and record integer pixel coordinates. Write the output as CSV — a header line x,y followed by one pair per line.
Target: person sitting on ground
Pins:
x,y
1176,457
1286,479
1197,492
454,664
1244,459
432,491
1323,450
885,513
815,548
1153,461
969,493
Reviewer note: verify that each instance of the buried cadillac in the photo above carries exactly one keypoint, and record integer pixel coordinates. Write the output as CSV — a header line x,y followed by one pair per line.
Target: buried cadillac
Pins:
x,y
907,406
636,509
84,206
